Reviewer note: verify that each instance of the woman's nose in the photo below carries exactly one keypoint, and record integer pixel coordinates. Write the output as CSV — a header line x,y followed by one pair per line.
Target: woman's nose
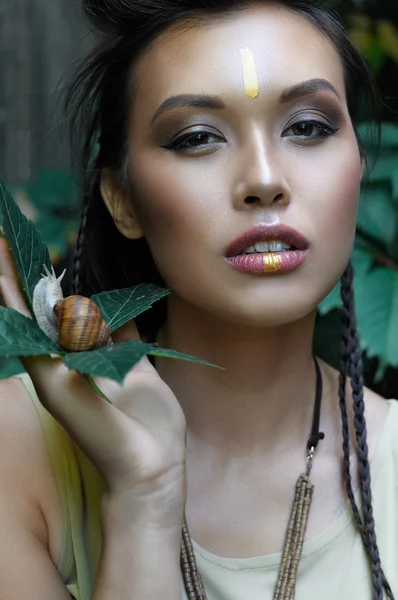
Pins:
x,y
260,176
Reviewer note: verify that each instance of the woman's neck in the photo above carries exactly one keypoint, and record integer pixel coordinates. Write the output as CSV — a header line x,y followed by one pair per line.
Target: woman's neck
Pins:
x,y
263,401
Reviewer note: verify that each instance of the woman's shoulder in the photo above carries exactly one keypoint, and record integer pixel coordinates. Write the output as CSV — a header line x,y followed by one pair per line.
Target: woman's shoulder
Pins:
x,y
25,461
381,414
72,490
382,426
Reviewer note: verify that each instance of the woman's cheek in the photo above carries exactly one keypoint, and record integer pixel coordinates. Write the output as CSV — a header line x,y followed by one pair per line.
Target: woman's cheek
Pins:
x,y
338,184
172,216
337,221
348,186
177,204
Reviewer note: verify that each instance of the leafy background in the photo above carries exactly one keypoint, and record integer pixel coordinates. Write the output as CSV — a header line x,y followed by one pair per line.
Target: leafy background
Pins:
x,y
373,27
51,200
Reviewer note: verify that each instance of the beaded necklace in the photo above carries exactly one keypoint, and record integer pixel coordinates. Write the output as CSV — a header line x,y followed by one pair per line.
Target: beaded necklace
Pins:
x,y
286,585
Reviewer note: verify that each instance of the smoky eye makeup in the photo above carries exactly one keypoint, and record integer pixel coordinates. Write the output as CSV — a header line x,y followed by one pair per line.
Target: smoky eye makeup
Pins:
x,y
186,129
324,107
173,126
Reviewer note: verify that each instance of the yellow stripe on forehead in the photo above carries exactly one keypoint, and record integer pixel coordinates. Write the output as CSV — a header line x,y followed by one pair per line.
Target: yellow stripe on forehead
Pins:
x,y
250,77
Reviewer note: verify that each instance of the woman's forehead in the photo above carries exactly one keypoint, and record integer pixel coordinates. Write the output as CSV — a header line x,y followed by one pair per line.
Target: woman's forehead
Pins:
x,y
275,45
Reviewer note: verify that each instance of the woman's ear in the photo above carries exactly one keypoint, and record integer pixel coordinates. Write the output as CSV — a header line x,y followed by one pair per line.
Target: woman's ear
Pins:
x,y
119,206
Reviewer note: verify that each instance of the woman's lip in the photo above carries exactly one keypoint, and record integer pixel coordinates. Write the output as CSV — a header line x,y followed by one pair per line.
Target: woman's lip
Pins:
x,y
265,233
268,262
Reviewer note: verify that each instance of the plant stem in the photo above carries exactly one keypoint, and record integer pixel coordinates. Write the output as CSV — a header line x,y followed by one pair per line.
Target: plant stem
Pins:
x,y
378,255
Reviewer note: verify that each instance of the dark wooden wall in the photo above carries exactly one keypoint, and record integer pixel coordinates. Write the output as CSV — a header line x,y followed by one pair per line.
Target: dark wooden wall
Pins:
x,y
39,42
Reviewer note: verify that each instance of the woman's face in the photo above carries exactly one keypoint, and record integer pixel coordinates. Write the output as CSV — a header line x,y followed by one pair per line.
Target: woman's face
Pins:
x,y
201,175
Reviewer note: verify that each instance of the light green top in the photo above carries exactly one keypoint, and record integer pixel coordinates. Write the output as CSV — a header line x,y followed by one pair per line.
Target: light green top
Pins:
x,y
333,566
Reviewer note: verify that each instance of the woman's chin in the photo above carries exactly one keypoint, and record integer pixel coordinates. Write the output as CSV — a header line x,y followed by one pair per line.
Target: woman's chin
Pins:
x,y
268,313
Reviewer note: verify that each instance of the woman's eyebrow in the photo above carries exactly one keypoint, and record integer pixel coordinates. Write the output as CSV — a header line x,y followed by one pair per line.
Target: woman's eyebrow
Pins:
x,y
307,88
189,100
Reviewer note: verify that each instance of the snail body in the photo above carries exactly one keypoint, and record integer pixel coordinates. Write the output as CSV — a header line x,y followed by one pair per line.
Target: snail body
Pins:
x,y
74,323
46,294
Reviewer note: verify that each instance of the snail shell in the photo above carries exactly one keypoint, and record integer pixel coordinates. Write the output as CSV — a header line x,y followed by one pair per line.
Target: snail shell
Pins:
x,y
74,323
80,324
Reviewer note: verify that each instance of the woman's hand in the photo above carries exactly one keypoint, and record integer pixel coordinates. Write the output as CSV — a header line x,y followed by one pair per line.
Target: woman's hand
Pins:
x,y
138,441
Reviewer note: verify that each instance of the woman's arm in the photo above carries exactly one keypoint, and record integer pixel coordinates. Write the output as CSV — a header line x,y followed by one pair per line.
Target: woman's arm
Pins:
x,y
140,559
137,443
27,569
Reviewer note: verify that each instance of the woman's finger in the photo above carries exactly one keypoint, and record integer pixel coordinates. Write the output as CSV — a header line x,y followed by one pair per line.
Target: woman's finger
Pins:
x,y
12,296
7,265
126,332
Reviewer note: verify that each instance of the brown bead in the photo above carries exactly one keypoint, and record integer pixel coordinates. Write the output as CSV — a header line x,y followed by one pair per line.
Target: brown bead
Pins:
x,y
80,324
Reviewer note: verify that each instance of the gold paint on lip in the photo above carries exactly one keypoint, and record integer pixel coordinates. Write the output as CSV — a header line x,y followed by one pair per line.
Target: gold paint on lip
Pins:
x,y
272,262
250,77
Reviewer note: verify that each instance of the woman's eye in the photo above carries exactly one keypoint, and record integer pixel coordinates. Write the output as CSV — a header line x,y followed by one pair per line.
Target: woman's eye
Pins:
x,y
195,139
310,130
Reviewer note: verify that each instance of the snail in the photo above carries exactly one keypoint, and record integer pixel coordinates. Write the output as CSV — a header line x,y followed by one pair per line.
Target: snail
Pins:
x,y
74,323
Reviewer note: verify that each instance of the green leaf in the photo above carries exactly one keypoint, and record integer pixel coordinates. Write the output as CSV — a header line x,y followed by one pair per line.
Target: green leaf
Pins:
x,y
21,336
10,367
120,306
381,369
54,190
54,233
166,353
376,214
116,360
377,314
361,262
331,302
28,249
389,135
386,170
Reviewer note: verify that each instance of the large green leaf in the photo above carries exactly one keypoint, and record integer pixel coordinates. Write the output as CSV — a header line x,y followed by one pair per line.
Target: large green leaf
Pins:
x,y
56,233
166,353
331,302
28,249
10,367
361,262
115,361
386,170
385,167
377,314
376,214
20,336
120,306
54,190
389,136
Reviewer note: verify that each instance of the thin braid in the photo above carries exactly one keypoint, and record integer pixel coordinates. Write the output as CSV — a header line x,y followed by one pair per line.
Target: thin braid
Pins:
x,y
77,259
351,363
344,354
362,449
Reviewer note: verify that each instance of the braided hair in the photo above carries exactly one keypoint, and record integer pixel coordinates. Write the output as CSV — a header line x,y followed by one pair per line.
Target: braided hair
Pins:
x,y
105,259
351,364
80,247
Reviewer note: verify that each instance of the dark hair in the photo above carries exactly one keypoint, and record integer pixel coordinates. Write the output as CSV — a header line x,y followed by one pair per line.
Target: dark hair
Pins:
x,y
105,259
